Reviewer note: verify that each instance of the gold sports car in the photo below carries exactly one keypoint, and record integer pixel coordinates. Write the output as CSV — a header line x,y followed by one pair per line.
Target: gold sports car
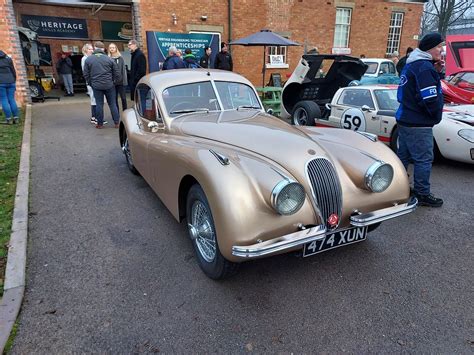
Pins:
x,y
249,184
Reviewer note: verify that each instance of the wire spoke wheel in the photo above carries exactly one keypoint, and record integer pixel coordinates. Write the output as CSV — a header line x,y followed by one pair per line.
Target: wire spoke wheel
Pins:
x,y
203,231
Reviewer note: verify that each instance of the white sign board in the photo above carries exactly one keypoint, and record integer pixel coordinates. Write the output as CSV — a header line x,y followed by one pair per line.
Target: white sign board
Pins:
x,y
341,51
276,59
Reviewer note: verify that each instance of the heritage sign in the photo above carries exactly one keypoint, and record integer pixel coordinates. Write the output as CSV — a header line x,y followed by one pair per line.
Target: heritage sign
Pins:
x,y
56,27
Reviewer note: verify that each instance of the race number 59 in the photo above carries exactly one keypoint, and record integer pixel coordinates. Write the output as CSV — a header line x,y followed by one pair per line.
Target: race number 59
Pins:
x,y
353,119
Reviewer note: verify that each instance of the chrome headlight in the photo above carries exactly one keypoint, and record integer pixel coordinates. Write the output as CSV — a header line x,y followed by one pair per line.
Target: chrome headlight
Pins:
x,y
379,176
467,134
288,197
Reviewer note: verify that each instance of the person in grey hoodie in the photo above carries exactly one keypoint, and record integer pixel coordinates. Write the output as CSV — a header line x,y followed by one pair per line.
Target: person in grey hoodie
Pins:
x,y
8,88
101,73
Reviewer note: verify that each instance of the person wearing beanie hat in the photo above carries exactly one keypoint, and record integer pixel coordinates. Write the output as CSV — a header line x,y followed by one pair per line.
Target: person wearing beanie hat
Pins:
x,y
421,107
224,59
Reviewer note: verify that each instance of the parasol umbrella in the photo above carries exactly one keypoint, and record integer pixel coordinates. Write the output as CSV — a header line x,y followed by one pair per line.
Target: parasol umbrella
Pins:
x,y
264,38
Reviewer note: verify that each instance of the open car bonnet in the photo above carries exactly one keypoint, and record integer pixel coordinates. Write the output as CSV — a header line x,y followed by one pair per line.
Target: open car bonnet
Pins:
x,y
318,77
459,53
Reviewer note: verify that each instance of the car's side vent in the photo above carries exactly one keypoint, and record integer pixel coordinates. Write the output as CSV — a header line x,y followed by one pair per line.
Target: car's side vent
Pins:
x,y
326,190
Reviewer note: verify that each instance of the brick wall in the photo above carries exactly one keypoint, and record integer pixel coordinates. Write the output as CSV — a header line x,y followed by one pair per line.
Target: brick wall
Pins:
x,y
10,44
309,22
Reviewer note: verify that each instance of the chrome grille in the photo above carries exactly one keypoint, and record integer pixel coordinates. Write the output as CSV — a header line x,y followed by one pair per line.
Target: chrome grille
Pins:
x,y
326,187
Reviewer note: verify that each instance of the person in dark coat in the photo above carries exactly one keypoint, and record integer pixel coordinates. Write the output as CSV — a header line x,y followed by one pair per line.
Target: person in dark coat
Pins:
x,y
121,83
403,61
224,59
173,61
190,60
205,61
421,107
138,66
8,88
101,73
64,68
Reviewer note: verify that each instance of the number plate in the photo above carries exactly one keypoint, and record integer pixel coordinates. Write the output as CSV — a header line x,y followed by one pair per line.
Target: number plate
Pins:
x,y
335,240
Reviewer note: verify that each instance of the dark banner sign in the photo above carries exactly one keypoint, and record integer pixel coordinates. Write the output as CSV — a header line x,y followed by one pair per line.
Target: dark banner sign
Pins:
x,y
57,27
117,31
159,42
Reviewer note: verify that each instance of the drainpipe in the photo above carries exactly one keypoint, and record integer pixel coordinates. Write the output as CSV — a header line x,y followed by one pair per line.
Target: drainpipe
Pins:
x,y
230,24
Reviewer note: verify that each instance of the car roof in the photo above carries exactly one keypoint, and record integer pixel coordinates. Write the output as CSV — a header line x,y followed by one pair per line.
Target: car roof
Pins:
x,y
378,60
372,87
166,78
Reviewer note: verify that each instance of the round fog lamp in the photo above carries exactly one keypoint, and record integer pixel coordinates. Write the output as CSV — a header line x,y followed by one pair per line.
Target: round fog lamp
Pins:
x,y
379,176
288,197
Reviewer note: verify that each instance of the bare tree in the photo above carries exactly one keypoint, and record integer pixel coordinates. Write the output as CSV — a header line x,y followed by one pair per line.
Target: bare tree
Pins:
x,y
438,15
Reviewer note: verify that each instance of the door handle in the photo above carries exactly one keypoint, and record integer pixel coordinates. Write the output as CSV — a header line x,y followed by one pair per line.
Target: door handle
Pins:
x,y
374,118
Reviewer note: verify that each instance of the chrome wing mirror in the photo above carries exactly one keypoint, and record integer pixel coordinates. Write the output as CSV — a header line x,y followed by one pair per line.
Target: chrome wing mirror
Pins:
x,y
155,126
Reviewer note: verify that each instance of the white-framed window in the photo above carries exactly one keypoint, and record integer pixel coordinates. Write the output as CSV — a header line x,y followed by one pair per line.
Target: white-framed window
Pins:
x,y
276,57
343,27
395,33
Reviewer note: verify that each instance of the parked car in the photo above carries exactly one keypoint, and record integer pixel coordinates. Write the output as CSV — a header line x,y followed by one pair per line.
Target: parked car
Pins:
x,y
379,71
372,109
459,89
313,84
250,185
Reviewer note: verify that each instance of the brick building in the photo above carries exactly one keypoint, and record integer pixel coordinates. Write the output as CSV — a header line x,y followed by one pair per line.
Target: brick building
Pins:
x,y
374,28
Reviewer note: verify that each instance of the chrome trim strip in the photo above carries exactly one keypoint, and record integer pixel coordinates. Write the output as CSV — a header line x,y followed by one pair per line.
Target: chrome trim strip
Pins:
x,y
280,243
384,214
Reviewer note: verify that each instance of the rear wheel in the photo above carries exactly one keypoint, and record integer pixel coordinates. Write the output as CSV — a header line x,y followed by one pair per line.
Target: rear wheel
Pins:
x,y
203,235
305,113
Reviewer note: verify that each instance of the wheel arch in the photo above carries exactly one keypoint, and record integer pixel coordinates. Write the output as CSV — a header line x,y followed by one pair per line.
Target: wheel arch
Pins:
x,y
184,186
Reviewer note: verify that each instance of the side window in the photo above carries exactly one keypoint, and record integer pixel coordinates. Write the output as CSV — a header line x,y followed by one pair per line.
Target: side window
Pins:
x,y
384,68
391,68
146,103
356,97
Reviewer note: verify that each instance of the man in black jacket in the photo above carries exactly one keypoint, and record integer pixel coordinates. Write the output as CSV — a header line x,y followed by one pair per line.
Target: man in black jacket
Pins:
x,y
64,68
205,61
101,73
138,66
403,61
224,59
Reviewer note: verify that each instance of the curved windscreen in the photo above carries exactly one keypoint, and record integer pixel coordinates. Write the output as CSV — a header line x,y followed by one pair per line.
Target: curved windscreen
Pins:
x,y
236,95
372,69
201,97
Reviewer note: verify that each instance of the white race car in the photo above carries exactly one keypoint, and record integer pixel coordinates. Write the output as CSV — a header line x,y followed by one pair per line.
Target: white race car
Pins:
x,y
372,109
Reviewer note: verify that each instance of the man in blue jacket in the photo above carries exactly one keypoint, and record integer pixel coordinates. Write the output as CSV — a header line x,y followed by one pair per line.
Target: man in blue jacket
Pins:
x,y
421,107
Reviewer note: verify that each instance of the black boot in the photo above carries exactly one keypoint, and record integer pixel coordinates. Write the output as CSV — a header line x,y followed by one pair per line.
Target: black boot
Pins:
x,y
429,200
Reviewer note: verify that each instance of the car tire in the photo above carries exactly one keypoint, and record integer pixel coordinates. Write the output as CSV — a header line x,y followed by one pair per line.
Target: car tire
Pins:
x,y
204,238
36,91
394,139
128,155
305,113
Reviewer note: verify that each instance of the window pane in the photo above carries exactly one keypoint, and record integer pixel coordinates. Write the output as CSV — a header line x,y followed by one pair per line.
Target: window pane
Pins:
x,y
193,96
234,95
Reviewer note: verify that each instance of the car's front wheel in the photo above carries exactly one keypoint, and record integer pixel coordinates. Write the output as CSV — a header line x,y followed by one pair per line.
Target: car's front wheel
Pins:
x,y
305,113
394,139
203,235
128,155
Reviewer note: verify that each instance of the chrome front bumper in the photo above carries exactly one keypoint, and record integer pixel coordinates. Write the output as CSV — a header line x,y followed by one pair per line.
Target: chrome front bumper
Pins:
x,y
304,236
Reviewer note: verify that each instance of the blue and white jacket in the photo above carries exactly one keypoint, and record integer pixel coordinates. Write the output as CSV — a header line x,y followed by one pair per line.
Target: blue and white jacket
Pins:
x,y
419,93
